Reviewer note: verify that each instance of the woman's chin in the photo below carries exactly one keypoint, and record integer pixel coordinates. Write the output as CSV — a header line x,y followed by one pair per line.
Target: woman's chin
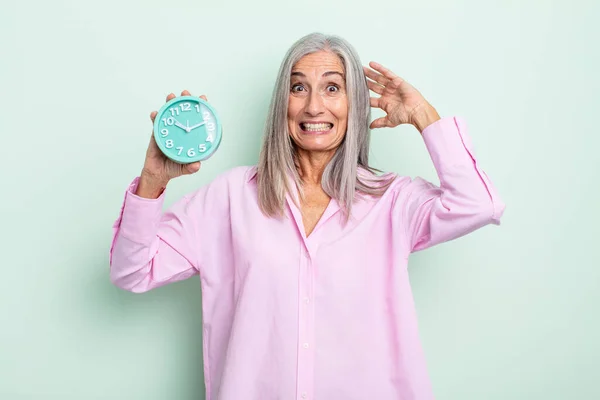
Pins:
x,y
316,141
317,145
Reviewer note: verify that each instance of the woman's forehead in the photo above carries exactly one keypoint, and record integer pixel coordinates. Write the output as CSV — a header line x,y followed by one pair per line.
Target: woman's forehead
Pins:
x,y
320,63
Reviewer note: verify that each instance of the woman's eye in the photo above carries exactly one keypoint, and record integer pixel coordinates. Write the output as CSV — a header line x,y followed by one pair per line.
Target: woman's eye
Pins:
x,y
296,88
332,88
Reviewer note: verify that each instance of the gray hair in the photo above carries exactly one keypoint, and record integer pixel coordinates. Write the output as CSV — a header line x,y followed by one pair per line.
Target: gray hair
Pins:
x,y
348,172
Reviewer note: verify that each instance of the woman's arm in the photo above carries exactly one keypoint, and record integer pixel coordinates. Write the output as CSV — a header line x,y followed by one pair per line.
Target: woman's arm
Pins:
x,y
151,248
464,201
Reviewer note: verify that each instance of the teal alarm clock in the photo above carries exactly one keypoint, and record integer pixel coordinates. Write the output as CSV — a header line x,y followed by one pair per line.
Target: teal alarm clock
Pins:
x,y
187,129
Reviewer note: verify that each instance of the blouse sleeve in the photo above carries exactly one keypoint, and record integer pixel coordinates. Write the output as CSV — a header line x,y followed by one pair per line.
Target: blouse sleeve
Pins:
x,y
464,201
151,248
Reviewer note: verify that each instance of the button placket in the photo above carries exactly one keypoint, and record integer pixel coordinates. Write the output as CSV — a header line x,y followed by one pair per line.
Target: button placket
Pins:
x,y
305,326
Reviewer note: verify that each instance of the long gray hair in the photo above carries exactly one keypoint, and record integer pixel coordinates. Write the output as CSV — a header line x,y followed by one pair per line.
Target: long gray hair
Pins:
x,y
348,172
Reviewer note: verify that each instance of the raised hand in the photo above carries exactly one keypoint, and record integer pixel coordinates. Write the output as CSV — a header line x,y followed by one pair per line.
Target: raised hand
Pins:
x,y
158,169
402,103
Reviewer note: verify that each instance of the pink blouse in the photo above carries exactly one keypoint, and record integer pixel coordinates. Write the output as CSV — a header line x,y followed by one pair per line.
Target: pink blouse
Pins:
x,y
285,316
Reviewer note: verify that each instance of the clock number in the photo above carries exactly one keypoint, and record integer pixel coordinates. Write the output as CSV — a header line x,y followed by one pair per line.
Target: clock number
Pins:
x,y
164,132
197,107
202,147
191,152
210,126
185,106
174,111
180,148
168,121
210,138
169,143
206,115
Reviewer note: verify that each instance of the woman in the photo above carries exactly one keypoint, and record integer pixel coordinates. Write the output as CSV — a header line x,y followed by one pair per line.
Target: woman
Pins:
x,y
302,258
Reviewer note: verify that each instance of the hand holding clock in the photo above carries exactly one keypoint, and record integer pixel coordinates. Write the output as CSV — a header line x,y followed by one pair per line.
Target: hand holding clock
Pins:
x,y
158,169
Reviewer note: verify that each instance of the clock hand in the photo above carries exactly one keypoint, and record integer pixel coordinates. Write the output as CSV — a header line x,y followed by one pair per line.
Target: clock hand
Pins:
x,y
179,124
197,125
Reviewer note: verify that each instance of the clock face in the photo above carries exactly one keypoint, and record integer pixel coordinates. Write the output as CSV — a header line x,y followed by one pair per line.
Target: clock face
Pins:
x,y
187,129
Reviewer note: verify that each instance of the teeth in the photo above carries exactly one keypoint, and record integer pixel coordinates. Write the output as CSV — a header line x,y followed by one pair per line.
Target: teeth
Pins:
x,y
316,127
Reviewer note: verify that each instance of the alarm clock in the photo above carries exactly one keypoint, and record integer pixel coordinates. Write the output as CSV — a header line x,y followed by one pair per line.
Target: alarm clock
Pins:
x,y
187,129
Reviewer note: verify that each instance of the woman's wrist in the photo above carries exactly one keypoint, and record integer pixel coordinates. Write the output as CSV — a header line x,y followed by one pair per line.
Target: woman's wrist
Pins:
x,y
425,116
150,187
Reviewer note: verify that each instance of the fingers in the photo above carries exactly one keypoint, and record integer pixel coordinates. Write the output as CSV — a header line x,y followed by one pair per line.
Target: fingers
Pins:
x,y
384,71
171,96
191,168
382,80
374,102
187,93
377,88
153,115
379,123
386,78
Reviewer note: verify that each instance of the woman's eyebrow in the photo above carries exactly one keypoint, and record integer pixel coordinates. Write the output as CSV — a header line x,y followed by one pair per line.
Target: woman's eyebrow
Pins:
x,y
328,73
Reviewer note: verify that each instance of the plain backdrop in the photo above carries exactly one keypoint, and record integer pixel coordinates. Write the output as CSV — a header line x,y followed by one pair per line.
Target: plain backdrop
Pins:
x,y
508,312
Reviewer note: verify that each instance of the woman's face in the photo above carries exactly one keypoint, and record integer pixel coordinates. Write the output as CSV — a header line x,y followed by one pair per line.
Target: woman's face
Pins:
x,y
318,105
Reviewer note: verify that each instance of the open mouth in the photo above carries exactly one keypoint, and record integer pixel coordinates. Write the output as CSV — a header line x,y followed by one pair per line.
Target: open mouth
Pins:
x,y
316,128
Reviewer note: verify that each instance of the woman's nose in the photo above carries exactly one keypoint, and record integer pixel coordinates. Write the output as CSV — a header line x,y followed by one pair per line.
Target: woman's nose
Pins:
x,y
315,104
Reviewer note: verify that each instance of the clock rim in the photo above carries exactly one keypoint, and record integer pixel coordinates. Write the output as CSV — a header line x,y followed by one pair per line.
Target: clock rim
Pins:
x,y
187,160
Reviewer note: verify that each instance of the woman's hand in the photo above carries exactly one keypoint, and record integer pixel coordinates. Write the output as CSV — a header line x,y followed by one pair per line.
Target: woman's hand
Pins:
x,y
158,169
402,103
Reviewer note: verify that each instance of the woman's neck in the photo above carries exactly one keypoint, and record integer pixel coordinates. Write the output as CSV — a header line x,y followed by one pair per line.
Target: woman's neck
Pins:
x,y
311,165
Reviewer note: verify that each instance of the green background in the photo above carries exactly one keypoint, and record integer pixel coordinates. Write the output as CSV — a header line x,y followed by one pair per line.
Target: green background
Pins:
x,y
508,312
